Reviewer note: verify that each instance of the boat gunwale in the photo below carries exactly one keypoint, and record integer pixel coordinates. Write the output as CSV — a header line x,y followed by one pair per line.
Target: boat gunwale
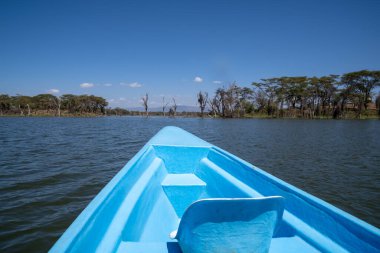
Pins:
x,y
367,232
311,199
70,235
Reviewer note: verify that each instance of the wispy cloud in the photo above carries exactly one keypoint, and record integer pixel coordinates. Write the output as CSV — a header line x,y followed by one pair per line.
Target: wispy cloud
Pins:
x,y
135,85
118,101
108,84
198,79
217,82
86,85
53,91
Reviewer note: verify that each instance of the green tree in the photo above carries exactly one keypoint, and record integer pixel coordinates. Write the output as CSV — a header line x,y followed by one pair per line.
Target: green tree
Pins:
x,y
266,90
358,88
23,103
5,103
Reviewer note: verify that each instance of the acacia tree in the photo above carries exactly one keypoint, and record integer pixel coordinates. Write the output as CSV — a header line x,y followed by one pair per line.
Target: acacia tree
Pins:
x,y
328,89
368,80
202,101
358,88
23,103
145,103
245,100
266,90
69,102
5,103
301,96
260,101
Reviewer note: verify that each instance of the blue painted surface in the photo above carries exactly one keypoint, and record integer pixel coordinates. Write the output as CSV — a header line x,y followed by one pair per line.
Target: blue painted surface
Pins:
x,y
138,208
230,225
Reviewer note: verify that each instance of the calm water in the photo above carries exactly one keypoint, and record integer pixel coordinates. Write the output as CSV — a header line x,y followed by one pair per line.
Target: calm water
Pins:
x,y
50,168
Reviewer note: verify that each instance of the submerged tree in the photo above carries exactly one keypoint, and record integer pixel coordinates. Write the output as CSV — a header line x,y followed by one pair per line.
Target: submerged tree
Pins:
x,y
164,105
174,108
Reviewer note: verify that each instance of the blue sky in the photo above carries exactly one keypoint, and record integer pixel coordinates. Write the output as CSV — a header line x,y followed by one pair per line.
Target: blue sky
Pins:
x,y
122,49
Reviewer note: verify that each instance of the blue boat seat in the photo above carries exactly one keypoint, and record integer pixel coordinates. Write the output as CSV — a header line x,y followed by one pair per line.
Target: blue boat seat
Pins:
x,y
229,224
182,190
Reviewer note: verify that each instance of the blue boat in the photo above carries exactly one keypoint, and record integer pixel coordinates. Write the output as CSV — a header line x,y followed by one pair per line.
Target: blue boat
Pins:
x,y
182,194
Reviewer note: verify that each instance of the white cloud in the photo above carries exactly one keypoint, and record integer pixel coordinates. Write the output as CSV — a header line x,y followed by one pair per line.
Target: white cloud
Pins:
x,y
86,85
135,85
217,82
108,84
198,79
132,85
118,101
53,91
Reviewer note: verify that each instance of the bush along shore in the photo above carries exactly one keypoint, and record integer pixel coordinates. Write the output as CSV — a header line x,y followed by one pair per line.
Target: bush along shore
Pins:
x,y
349,96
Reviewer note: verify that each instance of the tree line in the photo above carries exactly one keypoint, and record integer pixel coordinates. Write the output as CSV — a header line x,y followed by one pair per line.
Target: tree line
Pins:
x,y
350,95
75,105
48,104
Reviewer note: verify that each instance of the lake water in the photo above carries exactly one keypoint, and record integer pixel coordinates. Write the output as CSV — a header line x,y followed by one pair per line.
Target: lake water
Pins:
x,y
51,168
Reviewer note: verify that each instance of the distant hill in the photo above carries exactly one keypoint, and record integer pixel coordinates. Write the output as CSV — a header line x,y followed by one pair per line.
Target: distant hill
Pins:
x,y
180,108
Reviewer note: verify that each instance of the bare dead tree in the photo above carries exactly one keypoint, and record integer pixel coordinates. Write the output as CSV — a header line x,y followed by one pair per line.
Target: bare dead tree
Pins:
x,y
174,107
57,102
214,106
27,105
164,105
21,111
202,101
145,103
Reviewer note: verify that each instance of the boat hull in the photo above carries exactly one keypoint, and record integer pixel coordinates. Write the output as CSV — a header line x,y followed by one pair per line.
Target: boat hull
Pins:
x,y
145,201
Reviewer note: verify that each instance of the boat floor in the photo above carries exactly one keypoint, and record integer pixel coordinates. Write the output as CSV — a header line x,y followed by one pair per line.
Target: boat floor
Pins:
x,y
163,243
287,244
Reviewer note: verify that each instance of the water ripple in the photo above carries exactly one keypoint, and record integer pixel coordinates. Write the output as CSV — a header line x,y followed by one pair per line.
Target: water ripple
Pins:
x,y
51,168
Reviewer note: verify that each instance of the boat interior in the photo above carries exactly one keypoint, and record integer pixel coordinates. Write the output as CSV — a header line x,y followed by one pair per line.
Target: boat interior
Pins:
x,y
146,200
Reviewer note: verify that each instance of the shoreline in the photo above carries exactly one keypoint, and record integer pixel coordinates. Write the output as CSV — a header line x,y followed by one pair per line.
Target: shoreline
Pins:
x,y
370,117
